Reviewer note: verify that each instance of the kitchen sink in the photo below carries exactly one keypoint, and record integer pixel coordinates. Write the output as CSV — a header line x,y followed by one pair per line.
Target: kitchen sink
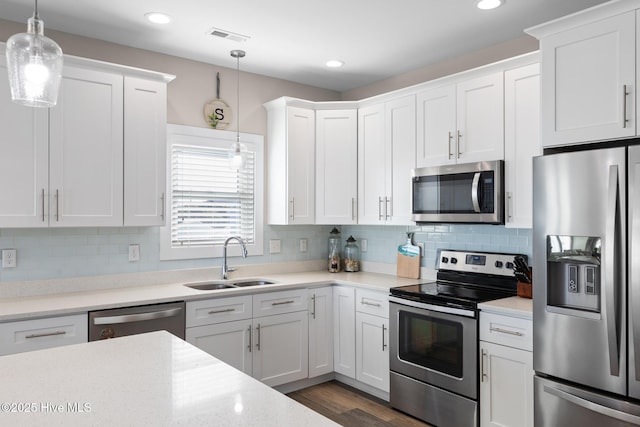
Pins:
x,y
212,286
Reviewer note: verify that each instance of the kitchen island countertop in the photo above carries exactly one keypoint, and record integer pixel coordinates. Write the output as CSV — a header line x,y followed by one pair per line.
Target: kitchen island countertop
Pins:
x,y
152,379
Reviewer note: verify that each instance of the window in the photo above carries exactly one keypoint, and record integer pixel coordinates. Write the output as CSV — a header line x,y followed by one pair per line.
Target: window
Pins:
x,y
208,201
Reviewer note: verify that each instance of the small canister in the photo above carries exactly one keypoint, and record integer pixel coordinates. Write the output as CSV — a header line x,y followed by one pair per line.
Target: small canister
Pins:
x,y
334,251
351,256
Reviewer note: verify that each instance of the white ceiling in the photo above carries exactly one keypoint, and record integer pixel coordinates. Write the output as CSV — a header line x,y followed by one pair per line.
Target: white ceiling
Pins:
x,y
292,39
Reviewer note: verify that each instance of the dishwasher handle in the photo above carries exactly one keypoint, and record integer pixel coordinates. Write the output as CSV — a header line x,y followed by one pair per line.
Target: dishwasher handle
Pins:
x,y
137,317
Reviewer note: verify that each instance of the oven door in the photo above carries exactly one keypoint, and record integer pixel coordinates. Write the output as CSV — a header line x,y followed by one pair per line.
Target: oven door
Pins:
x,y
434,347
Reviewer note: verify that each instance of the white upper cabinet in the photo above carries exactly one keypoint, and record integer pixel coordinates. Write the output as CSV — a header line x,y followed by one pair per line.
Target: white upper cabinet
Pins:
x,y
145,148
336,166
386,155
461,122
521,142
588,76
86,145
291,163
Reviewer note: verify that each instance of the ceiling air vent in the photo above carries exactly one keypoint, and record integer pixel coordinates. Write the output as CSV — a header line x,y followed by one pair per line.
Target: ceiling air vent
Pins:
x,y
224,34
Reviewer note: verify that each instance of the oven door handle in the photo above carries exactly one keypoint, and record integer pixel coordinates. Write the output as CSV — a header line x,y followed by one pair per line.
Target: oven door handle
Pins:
x,y
475,192
436,308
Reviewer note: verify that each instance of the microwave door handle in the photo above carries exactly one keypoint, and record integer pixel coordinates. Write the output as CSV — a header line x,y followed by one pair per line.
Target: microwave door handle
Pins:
x,y
610,284
475,188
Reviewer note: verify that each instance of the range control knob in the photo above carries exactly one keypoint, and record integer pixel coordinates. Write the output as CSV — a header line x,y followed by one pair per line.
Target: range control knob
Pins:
x,y
454,260
510,265
499,264
445,260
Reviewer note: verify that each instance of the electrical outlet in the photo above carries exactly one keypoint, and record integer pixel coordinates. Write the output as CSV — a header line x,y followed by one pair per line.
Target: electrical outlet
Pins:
x,y
8,258
134,252
274,246
303,245
421,245
363,245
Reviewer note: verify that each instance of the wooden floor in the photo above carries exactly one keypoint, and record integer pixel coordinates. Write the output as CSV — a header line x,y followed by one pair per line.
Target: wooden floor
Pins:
x,y
352,408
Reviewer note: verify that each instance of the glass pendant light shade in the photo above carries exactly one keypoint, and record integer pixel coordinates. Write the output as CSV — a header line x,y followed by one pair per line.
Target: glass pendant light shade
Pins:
x,y
237,152
34,63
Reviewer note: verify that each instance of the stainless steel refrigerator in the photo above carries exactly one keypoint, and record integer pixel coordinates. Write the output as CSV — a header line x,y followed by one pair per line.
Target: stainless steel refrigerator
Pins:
x,y
586,298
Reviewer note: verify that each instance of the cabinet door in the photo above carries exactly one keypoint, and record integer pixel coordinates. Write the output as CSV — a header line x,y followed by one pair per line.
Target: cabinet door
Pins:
x,y
336,166
480,119
400,116
86,134
229,342
344,331
320,331
281,348
301,165
372,165
588,83
521,142
372,350
24,164
506,386
145,148
436,129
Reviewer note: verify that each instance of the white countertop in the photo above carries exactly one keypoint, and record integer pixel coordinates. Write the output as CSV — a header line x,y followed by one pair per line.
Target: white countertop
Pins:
x,y
512,306
152,379
57,304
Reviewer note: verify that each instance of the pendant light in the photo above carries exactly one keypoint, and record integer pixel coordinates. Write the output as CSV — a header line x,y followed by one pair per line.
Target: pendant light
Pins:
x,y
34,63
237,152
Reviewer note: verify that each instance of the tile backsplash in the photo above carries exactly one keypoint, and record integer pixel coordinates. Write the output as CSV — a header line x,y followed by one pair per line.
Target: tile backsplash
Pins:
x,y
72,252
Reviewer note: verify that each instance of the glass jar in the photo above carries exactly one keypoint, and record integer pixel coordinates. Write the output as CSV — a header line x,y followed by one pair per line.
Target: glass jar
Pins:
x,y
351,255
334,251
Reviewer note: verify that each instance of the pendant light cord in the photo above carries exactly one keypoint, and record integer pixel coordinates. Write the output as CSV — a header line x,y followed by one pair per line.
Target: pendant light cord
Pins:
x,y
35,10
238,97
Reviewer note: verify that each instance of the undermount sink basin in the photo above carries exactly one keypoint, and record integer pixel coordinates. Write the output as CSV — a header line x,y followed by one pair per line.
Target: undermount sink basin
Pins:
x,y
212,286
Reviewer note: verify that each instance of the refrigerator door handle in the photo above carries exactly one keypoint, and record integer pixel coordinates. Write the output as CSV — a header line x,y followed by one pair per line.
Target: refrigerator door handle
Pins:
x,y
610,273
634,309
592,406
475,195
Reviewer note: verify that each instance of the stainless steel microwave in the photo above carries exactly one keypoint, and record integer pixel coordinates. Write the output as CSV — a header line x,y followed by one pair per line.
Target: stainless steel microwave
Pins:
x,y
467,193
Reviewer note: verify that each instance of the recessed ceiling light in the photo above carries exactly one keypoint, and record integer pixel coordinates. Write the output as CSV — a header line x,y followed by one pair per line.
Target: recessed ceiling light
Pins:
x,y
489,4
334,63
157,17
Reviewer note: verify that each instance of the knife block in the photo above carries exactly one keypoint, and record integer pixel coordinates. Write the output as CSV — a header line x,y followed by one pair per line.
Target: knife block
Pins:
x,y
525,290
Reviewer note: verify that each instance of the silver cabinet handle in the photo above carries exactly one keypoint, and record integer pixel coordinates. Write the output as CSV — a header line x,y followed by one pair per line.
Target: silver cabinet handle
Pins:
x,y
625,93
46,334
249,330
379,208
258,340
137,317
450,154
313,300
163,207
610,255
292,202
592,406
483,375
354,208
43,205
506,331
458,150
384,345
387,212
282,302
475,188
57,205
509,206
370,303
226,310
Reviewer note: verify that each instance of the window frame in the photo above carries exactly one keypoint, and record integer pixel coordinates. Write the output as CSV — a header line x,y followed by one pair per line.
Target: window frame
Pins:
x,y
194,136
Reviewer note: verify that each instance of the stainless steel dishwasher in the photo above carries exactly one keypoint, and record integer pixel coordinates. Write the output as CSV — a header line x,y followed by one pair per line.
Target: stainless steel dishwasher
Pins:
x,y
118,322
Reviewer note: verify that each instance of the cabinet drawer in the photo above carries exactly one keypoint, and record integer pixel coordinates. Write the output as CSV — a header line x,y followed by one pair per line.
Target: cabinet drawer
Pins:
x,y
37,334
372,302
271,303
505,330
207,312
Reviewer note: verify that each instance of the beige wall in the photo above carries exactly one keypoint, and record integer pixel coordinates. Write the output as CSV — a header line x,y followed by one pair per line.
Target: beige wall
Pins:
x,y
471,60
194,85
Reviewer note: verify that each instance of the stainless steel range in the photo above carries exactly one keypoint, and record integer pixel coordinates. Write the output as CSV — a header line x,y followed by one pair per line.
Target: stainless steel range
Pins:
x,y
434,336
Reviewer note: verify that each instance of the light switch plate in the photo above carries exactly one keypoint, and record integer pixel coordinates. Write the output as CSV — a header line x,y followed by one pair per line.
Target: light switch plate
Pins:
x,y
304,243
134,252
274,246
363,245
8,258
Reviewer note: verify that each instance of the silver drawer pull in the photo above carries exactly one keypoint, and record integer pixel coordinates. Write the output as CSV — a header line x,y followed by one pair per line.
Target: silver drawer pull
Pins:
x,y
283,302
226,310
505,331
370,303
47,334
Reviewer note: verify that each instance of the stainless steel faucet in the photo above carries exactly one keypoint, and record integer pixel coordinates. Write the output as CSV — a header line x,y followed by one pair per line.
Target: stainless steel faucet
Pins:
x,y
225,269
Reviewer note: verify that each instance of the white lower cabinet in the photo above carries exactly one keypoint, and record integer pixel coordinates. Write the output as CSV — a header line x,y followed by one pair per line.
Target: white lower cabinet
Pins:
x,y
344,331
320,331
38,334
506,371
229,342
372,350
